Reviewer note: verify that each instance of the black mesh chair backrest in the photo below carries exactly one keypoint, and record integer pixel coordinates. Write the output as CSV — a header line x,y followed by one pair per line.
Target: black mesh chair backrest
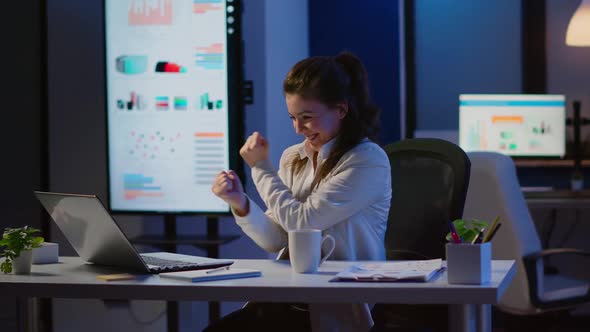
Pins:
x,y
429,179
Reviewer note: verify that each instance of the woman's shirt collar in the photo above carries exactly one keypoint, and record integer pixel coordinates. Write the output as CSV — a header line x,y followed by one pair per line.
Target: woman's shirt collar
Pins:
x,y
306,151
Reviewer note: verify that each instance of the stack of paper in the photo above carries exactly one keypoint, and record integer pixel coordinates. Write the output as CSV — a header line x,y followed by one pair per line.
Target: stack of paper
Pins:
x,y
392,271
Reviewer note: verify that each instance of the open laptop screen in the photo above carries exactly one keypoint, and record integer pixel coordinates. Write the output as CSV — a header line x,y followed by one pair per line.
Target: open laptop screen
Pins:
x,y
513,124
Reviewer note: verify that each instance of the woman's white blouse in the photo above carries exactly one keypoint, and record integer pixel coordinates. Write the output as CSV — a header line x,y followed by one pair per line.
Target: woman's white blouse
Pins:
x,y
351,204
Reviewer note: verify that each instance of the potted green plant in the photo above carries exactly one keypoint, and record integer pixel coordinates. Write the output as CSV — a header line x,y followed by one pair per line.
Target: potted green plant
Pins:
x,y
18,244
467,229
469,256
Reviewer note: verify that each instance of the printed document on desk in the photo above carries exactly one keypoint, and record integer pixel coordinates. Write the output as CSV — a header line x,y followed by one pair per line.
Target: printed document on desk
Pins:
x,y
209,275
421,271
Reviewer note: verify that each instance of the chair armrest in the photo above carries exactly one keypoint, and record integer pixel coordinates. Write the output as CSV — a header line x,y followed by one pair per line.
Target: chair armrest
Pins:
x,y
555,251
530,266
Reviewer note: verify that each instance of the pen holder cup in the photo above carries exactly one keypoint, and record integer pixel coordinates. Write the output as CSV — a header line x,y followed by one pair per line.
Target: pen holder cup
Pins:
x,y
469,263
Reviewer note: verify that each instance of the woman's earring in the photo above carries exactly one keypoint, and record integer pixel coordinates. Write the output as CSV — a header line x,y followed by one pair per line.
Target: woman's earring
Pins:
x,y
343,112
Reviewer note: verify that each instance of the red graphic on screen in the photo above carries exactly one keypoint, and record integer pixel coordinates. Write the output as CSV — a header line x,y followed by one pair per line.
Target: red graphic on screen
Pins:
x,y
169,67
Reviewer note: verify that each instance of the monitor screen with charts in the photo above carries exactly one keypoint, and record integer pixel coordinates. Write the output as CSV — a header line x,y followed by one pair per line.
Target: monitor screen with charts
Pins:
x,y
513,124
174,114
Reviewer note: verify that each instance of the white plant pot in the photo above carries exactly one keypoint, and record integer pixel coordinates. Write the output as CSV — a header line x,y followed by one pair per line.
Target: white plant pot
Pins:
x,y
22,263
577,184
469,263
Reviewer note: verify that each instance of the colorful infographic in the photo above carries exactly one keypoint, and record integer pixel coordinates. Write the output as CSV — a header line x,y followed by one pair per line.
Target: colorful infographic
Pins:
x,y
167,97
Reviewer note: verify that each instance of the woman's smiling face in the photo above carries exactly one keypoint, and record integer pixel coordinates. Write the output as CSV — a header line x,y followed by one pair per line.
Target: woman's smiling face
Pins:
x,y
314,120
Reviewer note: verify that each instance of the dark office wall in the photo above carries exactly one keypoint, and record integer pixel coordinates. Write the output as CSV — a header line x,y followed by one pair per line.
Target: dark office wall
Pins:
x,y
21,134
463,47
77,146
22,100
76,97
370,29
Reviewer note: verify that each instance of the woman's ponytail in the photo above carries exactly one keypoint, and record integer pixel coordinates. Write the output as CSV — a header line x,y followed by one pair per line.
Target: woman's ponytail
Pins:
x,y
367,112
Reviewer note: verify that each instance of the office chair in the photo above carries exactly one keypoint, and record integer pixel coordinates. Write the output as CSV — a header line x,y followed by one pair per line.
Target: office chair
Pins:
x,y
429,179
494,190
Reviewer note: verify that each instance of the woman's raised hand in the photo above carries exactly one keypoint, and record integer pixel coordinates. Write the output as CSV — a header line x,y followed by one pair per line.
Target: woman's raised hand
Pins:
x,y
255,149
228,187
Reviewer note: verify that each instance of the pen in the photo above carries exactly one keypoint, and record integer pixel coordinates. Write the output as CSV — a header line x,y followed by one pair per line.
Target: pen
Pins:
x,y
478,237
490,236
491,229
223,268
454,235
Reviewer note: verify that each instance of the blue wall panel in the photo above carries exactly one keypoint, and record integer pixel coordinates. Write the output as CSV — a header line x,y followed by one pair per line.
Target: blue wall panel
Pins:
x,y
463,47
369,29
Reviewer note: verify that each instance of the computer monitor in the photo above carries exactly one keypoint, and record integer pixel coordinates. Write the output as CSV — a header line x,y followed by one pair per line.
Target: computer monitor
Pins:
x,y
513,124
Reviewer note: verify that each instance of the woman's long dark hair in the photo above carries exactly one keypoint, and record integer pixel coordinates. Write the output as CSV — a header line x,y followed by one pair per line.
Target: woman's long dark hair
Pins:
x,y
333,80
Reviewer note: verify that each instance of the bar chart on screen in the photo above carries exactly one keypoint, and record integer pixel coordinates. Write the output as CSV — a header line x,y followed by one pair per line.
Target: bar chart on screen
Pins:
x,y
139,185
210,57
209,156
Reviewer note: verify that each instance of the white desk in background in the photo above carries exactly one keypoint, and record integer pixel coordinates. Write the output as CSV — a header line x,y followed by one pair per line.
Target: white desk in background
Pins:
x,y
470,304
548,197
557,199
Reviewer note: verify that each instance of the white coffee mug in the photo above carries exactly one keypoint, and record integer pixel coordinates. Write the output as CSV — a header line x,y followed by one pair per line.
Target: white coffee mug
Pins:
x,y
305,249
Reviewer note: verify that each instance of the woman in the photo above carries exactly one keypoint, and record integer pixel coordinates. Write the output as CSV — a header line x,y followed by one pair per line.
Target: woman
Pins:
x,y
337,180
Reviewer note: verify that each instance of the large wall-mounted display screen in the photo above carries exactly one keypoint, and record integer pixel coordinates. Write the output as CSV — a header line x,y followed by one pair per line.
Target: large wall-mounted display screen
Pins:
x,y
516,125
171,94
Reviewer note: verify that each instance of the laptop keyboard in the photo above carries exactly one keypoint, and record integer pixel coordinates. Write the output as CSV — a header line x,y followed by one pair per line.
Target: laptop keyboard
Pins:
x,y
170,262
163,265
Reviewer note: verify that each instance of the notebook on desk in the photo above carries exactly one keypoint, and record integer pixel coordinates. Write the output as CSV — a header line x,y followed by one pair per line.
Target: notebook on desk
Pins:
x,y
210,275
97,238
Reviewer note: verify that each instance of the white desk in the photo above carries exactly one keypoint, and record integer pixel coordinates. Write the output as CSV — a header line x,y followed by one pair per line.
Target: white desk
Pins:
x,y
558,199
71,278
553,201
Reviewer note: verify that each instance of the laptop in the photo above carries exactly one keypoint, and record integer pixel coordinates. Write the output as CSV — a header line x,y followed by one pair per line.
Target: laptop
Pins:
x,y
98,239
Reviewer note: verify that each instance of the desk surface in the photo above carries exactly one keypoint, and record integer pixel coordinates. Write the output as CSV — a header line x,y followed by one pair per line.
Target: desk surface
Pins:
x,y
558,198
548,162
73,279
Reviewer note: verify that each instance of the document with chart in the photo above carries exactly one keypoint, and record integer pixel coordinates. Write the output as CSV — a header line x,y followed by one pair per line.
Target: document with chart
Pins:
x,y
422,270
